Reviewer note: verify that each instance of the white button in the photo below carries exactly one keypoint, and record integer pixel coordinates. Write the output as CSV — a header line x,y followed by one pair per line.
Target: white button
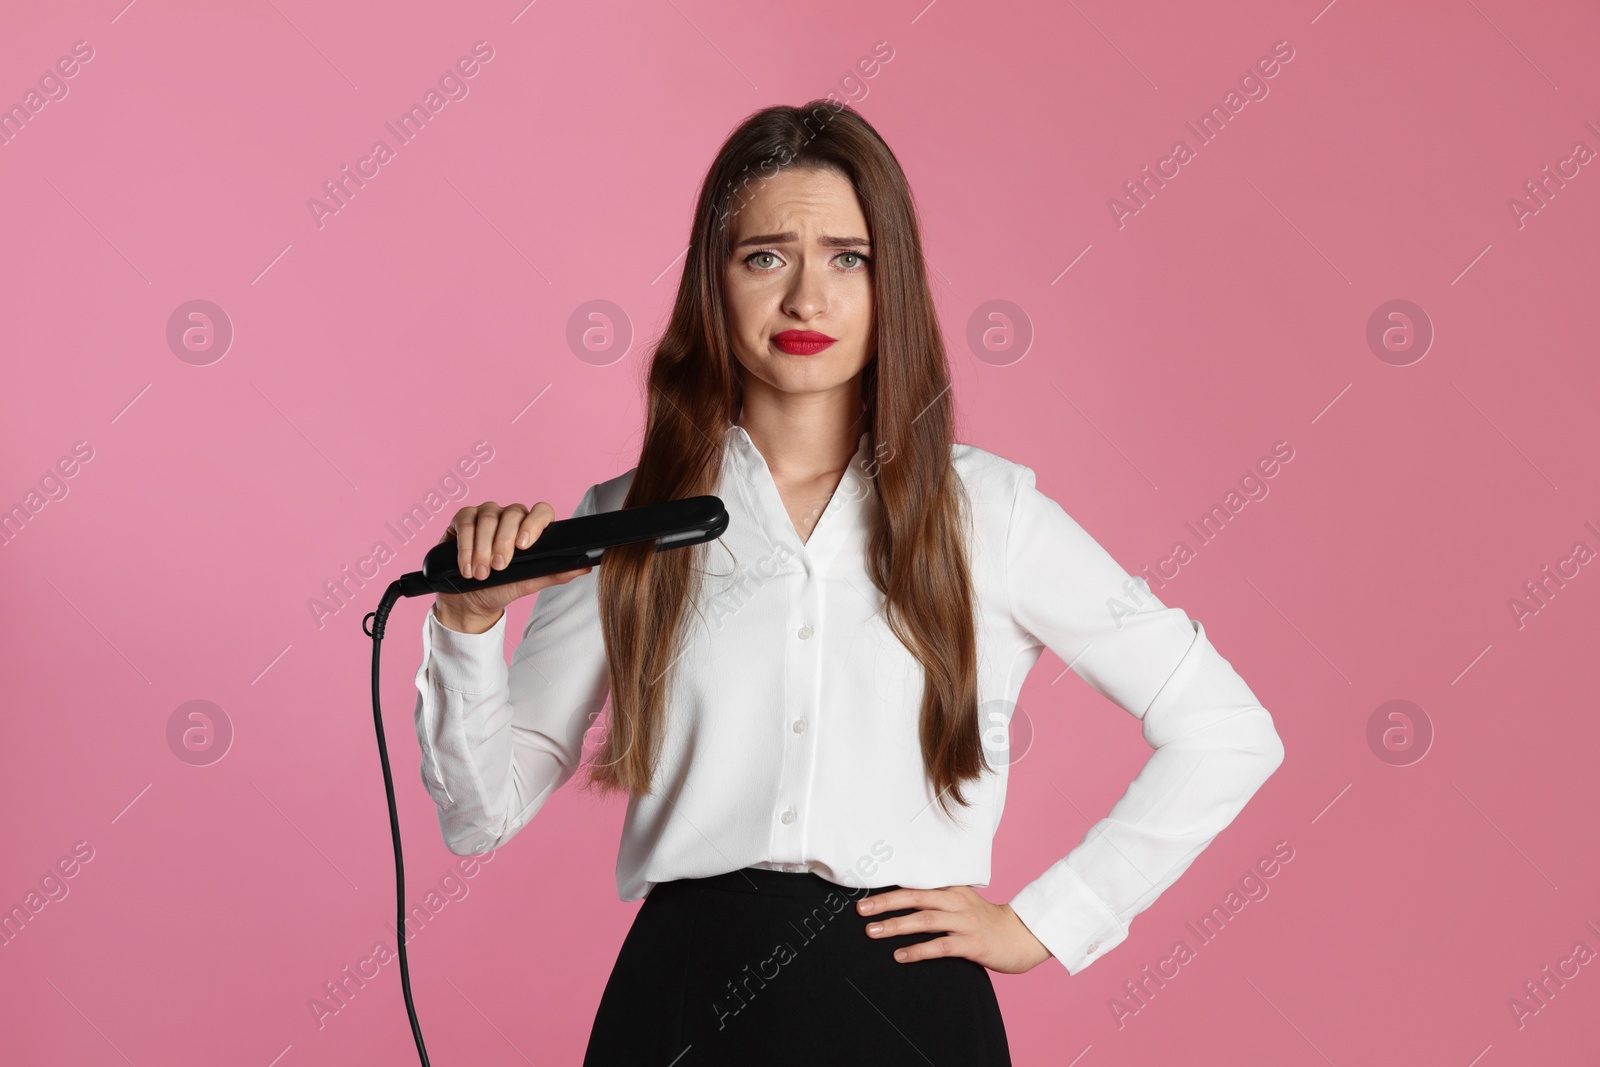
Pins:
x,y
1094,945
805,632
799,726
788,816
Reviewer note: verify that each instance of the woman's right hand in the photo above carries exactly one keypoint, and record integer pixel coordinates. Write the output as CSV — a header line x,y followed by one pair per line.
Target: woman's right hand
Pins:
x,y
485,538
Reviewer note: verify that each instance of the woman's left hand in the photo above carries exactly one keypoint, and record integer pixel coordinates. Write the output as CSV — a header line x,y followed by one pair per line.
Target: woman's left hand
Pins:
x,y
990,934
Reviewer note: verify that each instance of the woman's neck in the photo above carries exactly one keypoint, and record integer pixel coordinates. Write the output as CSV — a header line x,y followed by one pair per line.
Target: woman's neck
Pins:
x,y
804,438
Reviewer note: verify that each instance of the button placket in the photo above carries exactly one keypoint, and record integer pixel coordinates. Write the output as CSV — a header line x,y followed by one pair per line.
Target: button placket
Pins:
x,y
798,696
804,653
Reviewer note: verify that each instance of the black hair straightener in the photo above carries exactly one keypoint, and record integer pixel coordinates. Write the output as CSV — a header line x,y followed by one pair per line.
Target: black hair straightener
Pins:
x,y
568,544
563,545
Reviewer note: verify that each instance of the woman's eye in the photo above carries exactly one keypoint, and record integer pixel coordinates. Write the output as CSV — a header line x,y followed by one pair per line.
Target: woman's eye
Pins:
x,y
754,259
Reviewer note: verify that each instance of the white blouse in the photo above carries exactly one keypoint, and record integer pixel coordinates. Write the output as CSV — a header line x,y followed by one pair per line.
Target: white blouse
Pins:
x,y
791,735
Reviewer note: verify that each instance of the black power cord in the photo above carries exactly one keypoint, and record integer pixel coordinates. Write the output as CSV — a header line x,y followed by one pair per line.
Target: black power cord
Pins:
x,y
378,619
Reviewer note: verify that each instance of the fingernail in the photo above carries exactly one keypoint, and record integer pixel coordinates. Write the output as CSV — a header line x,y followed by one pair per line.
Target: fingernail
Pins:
x,y
873,928
900,954
865,906
499,560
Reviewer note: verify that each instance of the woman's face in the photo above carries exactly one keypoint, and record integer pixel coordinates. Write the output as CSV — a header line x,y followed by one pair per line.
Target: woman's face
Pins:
x,y
800,261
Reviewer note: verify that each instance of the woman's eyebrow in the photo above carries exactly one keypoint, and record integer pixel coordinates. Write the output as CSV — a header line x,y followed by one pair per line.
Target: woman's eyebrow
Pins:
x,y
791,236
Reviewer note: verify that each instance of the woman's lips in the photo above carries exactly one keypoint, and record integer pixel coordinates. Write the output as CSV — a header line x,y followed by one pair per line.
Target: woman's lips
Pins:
x,y
802,342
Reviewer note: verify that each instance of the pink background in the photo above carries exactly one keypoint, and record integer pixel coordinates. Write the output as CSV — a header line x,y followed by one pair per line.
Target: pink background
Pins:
x,y
369,354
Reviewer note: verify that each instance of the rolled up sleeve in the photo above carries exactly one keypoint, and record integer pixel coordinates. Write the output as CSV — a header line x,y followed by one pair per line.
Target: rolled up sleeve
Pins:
x,y
1214,744
498,740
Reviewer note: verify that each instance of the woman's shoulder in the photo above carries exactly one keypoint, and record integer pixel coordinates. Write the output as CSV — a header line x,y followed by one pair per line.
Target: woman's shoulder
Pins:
x,y
993,484
609,494
984,473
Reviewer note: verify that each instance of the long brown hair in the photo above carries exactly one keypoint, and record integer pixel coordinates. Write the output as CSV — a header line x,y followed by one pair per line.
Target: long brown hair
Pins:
x,y
917,552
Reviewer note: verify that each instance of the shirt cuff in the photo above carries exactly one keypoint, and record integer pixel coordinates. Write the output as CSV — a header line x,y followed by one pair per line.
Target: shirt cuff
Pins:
x,y
1068,917
467,663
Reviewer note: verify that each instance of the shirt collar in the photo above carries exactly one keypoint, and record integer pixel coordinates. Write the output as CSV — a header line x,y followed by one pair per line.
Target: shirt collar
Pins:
x,y
848,514
750,460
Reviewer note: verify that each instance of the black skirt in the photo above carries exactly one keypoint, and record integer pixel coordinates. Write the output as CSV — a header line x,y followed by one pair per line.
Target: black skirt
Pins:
x,y
769,967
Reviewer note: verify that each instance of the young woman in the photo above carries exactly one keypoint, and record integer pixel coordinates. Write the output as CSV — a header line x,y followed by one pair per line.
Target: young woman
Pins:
x,y
809,713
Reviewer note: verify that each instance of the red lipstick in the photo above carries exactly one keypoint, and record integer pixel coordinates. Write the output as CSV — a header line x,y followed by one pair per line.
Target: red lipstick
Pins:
x,y
802,342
